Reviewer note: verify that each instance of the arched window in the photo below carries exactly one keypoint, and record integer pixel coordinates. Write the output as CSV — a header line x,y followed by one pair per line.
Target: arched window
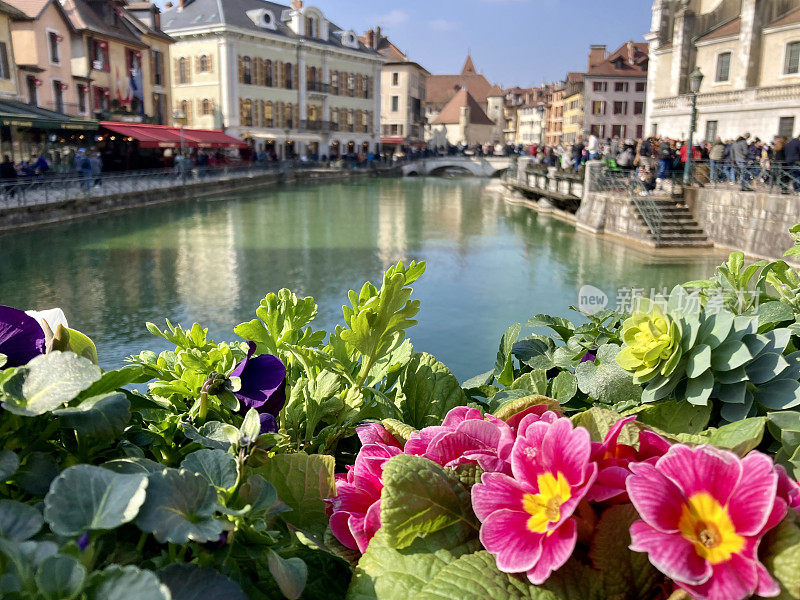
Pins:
x,y
311,77
207,107
288,76
335,82
288,116
186,109
267,118
247,70
183,70
312,27
247,112
268,73
204,64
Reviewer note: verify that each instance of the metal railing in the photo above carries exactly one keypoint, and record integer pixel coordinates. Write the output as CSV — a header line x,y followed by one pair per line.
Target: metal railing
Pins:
x,y
318,86
627,182
40,191
311,125
769,177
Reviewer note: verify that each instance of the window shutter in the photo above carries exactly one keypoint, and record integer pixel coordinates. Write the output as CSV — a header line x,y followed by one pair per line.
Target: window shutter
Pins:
x,y
256,70
196,61
296,116
152,67
241,70
278,74
176,70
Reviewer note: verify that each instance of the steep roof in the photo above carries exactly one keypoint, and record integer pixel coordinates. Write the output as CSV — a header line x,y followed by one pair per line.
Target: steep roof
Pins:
x,y
207,13
730,28
629,60
440,89
790,18
83,17
451,114
30,8
385,47
469,67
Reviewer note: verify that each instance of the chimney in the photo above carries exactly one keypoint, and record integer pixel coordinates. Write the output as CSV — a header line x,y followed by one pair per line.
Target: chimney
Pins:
x,y
370,37
377,37
297,4
631,52
597,54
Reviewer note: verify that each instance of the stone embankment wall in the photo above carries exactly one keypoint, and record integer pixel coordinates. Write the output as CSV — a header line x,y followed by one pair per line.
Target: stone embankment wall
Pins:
x,y
756,223
609,213
36,215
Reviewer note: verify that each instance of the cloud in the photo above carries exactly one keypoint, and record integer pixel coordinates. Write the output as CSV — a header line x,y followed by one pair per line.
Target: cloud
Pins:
x,y
441,25
393,17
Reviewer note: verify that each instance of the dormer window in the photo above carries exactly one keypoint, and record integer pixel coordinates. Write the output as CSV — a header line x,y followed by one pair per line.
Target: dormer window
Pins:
x,y
618,64
268,19
349,39
312,27
263,18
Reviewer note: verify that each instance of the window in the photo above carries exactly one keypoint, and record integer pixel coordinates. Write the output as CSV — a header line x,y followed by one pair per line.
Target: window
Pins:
x,y
5,72
159,108
621,86
52,43
598,130
158,67
312,27
396,130
792,66
723,67
99,54
600,86
620,108
641,86
33,92
268,73
335,82
247,112
395,103
203,64
267,118
58,96
786,127
288,77
247,70
351,85
638,108
183,70
712,127
639,131
102,98
618,131
395,78
206,107
288,116
82,109
598,107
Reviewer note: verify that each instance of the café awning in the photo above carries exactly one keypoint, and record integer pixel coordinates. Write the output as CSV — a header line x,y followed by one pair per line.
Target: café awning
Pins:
x,y
162,136
19,114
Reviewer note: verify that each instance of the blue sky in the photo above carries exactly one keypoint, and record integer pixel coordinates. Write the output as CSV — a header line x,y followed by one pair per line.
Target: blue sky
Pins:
x,y
513,42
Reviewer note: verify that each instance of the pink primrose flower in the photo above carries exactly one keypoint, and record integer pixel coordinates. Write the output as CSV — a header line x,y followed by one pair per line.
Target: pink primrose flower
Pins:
x,y
526,519
704,511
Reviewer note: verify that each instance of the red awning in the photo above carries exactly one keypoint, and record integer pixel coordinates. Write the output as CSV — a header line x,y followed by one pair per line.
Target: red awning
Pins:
x,y
162,136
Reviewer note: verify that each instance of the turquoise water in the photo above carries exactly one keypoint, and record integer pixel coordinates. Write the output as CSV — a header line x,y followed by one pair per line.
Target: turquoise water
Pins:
x,y
490,263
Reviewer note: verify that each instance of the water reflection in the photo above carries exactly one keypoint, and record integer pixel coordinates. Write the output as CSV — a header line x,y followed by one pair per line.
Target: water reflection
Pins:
x,y
489,263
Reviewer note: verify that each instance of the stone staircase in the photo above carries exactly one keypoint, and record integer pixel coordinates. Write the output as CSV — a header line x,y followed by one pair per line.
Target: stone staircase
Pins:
x,y
679,229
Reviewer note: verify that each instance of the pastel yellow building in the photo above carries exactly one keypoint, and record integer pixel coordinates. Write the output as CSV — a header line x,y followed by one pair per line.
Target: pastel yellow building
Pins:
x,y
8,67
284,78
573,109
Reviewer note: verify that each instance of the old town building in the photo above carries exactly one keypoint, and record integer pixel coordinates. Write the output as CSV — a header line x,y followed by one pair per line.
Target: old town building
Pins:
x,y
749,54
514,99
441,89
285,78
403,91
8,67
573,108
462,122
554,116
615,91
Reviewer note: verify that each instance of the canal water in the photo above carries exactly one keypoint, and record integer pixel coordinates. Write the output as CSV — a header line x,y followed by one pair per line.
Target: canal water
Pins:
x,y
490,263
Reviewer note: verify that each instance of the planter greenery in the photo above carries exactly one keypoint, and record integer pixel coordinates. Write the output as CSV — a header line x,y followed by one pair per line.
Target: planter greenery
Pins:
x,y
645,456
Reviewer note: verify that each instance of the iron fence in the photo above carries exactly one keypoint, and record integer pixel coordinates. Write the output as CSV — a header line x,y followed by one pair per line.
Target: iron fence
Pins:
x,y
771,177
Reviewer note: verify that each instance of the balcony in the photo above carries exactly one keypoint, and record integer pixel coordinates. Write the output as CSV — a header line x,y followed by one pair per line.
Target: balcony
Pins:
x,y
322,126
318,86
746,96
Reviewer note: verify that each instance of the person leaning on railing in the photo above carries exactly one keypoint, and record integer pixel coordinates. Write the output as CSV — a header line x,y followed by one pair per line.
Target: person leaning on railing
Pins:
x,y
792,155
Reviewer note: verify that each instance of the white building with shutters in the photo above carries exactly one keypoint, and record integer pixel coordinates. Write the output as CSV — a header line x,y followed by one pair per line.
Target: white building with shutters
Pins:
x,y
283,78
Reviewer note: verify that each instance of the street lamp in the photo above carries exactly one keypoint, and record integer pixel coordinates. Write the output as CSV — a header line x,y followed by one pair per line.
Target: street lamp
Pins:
x,y
541,110
180,117
695,81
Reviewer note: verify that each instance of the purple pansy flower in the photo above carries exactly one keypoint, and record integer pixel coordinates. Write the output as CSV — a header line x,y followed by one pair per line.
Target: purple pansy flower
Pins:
x,y
590,356
83,542
263,380
21,337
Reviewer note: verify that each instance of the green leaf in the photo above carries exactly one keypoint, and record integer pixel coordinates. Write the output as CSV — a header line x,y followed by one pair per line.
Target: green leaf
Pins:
x,y
290,574
47,382
504,364
730,355
779,394
771,314
85,498
60,577
260,495
401,432
191,582
213,434
111,381
698,390
18,521
561,326
9,463
101,417
430,391
674,416
699,361
179,508
36,474
535,382
419,498
780,552
303,482
125,583
740,437
251,426
564,387
384,573
217,466
626,575
82,345
605,381
599,421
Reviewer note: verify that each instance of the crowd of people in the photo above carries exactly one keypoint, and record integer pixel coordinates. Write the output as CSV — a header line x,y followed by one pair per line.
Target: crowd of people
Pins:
x,y
656,160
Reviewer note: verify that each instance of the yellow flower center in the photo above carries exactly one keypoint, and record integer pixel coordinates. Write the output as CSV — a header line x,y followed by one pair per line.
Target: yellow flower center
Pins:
x,y
707,524
545,507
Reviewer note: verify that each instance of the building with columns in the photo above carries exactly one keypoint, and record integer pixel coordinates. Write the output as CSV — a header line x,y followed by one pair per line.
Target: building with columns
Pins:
x,y
283,78
749,53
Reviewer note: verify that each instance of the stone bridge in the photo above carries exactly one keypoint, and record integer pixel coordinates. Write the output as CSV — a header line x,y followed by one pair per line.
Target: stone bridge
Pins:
x,y
481,166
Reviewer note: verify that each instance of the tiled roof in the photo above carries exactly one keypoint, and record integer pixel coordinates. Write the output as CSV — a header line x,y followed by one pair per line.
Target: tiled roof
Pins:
x,y
790,18
632,58
730,28
30,8
13,11
83,17
206,13
451,114
385,48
